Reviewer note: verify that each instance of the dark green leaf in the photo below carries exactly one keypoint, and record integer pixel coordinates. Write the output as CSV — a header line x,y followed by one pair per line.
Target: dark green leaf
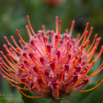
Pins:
x,y
95,96
29,100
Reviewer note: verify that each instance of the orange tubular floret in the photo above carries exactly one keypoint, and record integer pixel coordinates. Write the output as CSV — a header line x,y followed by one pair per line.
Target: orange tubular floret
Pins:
x,y
57,87
72,26
92,53
83,42
100,53
42,90
40,71
97,71
28,30
14,41
66,52
4,67
16,85
13,76
60,22
93,62
88,89
38,51
10,63
46,48
13,52
76,82
8,51
91,29
65,56
21,44
76,53
34,61
83,33
9,43
25,70
95,46
66,31
87,44
23,56
84,74
29,96
12,69
55,68
41,45
78,36
75,62
71,71
43,27
89,59
23,40
61,78
91,45
32,79
79,55
6,73
14,62
56,19
9,78
30,25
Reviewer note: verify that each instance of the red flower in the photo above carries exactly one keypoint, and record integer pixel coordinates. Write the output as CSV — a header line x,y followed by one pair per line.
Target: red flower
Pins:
x,y
54,2
51,64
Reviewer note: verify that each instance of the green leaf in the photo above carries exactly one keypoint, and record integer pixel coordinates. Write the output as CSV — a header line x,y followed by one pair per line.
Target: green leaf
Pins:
x,y
82,96
2,99
6,87
17,96
95,96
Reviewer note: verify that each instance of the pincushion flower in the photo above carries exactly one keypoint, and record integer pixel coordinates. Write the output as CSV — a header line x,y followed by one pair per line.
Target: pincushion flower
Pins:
x,y
51,64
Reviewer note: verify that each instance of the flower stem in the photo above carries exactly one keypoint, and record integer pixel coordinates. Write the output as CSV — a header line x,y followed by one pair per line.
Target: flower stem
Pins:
x,y
56,101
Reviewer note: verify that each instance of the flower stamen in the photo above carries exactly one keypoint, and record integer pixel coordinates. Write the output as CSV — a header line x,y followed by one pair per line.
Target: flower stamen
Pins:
x,y
30,25
28,30
72,26
43,27
97,71
46,49
23,40
82,34
29,96
88,89
61,78
57,87
14,41
60,22
56,19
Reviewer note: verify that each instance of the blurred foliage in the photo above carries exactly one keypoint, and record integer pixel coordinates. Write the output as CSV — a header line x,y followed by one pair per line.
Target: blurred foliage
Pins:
x,y
13,16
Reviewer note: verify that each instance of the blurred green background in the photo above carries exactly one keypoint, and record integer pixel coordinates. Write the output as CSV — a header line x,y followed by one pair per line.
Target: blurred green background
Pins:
x,y
13,16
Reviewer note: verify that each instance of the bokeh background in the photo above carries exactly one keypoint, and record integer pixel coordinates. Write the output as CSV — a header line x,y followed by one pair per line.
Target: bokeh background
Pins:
x,y
13,16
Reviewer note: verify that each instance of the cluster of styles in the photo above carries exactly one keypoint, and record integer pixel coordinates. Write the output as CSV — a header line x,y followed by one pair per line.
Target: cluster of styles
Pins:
x,y
51,64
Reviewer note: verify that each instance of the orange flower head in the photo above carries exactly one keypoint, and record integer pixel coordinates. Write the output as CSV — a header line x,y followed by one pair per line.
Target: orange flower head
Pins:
x,y
51,64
